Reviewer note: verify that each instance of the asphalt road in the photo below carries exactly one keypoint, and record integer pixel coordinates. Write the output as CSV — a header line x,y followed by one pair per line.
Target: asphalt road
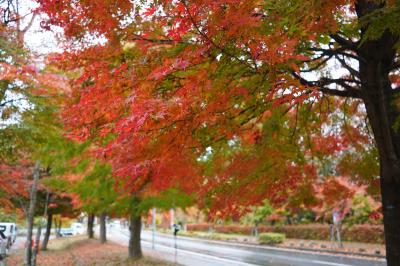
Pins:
x,y
20,242
199,252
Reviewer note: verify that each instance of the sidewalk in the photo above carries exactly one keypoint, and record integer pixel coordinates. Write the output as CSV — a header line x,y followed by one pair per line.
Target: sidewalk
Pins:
x,y
350,248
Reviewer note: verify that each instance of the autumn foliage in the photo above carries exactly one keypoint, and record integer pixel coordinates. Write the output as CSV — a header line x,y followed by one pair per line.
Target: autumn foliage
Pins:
x,y
232,102
201,95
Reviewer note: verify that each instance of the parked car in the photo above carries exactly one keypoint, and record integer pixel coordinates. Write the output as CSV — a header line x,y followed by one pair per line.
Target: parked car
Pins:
x,y
66,232
77,228
8,233
115,224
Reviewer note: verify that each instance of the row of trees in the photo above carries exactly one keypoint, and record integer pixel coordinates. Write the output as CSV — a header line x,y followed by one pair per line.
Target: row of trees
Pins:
x,y
33,150
44,174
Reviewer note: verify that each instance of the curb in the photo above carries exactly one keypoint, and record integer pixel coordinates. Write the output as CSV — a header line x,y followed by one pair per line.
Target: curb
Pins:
x,y
337,252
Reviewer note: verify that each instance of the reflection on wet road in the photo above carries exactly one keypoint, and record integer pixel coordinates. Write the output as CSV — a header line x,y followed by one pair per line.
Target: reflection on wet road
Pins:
x,y
198,252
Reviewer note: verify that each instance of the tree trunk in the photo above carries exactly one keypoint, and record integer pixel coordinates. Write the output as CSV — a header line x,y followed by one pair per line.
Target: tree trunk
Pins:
x,y
57,227
103,232
35,250
90,224
377,61
31,215
391,213
380,113
48,231
135,227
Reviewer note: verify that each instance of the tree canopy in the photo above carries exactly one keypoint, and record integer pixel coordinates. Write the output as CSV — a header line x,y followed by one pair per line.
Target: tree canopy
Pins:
x,y
233,99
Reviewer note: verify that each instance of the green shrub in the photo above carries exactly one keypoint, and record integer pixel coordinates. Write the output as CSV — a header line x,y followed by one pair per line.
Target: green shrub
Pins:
x,y
271,238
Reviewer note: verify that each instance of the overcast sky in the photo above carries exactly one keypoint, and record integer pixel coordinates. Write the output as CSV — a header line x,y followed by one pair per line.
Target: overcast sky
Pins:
x,y
37,39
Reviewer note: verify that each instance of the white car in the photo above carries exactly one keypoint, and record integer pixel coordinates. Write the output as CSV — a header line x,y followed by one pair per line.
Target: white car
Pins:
x,y
77,228
8,233
116,224
66,232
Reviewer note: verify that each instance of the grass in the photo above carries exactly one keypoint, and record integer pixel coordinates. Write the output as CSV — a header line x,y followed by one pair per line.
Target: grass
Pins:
x,y
80,251
64,243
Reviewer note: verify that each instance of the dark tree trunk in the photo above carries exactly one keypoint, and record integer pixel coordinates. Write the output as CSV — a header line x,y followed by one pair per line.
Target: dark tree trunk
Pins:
x,y
31,215
377,59
391,212
58,227
48,231
382,115
90,225
135,227
103,232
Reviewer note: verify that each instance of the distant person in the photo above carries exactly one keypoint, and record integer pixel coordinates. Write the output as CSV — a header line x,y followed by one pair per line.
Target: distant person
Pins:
x,y
176,228
336,226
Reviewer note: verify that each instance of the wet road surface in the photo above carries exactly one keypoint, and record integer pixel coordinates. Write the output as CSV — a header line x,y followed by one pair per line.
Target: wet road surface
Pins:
x,y
199,252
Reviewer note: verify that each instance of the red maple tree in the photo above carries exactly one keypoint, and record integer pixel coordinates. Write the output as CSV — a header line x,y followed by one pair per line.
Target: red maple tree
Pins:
x,y
167,81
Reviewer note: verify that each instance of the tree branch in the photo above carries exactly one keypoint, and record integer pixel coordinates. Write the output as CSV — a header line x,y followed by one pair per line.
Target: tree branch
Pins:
x,y
317,66
30,23
352,71
322,83
10,101
345,93
335,52
222,49
344,42
160,41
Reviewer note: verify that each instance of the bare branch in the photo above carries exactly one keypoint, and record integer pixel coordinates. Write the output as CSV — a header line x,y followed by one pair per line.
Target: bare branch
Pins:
x,y
322,84
30,23
344,42
317,66
351,94
337,51
352,71
10,101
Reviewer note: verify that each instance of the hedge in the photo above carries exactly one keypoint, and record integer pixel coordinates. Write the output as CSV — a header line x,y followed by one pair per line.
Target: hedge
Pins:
x,y
357,233
271,238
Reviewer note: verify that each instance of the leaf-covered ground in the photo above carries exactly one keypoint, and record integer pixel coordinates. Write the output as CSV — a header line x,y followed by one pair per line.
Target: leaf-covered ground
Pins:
x,y
84,252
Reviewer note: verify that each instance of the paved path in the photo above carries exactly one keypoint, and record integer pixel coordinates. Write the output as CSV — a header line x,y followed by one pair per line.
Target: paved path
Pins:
x,y
199,252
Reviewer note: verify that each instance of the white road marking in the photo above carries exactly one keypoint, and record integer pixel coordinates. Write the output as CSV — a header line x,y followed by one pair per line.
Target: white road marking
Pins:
x,y
208,256
330,263
304,260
